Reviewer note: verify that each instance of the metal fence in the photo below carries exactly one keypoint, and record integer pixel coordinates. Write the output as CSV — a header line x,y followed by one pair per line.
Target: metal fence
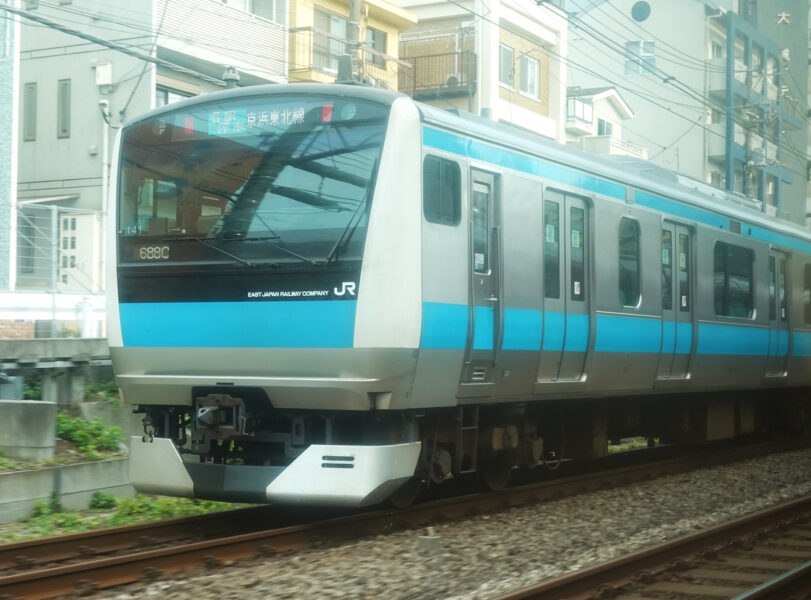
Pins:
x,y
59,249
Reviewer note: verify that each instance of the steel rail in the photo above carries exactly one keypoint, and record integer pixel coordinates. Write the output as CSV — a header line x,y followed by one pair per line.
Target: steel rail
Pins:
x,y
102,573
609,577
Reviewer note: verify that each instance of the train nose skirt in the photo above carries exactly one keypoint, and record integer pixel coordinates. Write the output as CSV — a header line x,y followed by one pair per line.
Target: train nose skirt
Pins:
x,y
334,475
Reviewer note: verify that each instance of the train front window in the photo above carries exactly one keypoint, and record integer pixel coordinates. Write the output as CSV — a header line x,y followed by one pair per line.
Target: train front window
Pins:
x,y
278,177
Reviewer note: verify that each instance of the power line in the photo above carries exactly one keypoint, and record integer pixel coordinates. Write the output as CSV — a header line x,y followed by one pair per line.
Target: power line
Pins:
x,y
108,44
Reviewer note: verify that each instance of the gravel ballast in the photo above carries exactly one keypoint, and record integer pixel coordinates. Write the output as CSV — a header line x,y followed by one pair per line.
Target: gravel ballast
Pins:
x,y
490,555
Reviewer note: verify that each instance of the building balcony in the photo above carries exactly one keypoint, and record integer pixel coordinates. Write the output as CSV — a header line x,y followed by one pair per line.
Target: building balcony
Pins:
x,y
717,83
716,141
578,126
314,58
608,144
205,33
445,75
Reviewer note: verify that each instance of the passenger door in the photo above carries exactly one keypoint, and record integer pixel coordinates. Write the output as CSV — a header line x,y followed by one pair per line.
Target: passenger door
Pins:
x,y
778,316
677,303
485,307
566,325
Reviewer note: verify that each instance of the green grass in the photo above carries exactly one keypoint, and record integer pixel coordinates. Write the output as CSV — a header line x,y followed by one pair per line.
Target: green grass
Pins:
x,y
49,519
90,437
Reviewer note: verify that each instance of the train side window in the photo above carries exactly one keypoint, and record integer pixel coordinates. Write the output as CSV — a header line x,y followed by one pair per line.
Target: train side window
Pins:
x,y
441,191
629,262
684,273
551,249
733,281
577,219
480,207
667,270
807,294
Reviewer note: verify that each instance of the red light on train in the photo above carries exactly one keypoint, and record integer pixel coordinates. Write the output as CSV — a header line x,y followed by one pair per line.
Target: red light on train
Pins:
x,y
326,113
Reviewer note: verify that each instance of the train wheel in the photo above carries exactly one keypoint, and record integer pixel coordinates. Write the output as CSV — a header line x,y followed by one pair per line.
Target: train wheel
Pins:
x,y
497,470
405,495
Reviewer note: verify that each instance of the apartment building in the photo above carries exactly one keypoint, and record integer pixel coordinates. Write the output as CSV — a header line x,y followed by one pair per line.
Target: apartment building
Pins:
x,y
322,30
76,88
505,59
709,89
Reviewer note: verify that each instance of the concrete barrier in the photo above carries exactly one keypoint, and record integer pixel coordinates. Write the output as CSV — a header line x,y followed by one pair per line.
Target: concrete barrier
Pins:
x,y
74,484
27,429
110,414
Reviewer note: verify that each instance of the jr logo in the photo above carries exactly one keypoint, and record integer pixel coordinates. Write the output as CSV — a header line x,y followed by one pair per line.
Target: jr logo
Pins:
x,y
346,286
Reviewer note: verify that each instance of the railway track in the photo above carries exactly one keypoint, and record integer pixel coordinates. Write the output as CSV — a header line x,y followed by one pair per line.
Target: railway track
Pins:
x,y
103,559
763,555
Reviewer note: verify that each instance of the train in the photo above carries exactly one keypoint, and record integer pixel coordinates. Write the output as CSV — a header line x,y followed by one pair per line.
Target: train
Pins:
x,y
332,294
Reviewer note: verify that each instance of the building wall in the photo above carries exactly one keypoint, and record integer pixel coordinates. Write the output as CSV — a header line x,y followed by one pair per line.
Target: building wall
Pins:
x,y
595,64
8,151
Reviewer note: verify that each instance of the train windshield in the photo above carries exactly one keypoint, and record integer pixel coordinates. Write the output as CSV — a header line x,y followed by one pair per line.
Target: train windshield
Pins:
x,y
279,178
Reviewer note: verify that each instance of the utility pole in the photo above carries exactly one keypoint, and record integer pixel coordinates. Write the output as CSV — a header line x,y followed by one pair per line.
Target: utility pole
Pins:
x,y
353,37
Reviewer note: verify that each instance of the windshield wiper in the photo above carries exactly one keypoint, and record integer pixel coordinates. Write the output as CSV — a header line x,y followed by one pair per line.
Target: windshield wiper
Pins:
x,y
267,240
210,245
354,221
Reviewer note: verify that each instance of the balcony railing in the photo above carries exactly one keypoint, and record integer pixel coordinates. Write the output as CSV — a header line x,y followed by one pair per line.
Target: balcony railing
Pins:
x,y
316,52
440,75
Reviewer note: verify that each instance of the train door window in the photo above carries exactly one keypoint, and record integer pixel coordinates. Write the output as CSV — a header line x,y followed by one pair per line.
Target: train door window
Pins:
x,y
629,262
733,281
577,239
441,191
807,294
480,205
551,249
772,288
684,273
667,270
781,289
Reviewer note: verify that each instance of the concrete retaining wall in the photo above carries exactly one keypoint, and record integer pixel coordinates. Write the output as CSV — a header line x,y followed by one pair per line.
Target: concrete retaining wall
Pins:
x,y
27,429
75,484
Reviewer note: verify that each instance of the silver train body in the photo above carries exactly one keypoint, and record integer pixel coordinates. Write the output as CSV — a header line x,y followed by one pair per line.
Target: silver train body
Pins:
x,y
496,281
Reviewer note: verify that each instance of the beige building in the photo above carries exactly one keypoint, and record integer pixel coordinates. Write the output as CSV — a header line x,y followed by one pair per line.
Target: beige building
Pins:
x,y
320,30
505,59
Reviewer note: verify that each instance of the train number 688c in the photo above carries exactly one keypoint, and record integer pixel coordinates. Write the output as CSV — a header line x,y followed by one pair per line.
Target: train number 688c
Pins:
x,y
153,252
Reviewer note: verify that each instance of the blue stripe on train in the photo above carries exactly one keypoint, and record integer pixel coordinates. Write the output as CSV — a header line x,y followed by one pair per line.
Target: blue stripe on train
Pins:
x,y
445,326
299,324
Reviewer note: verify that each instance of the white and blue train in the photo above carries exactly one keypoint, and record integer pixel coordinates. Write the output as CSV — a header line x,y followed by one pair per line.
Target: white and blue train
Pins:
x,y
333,294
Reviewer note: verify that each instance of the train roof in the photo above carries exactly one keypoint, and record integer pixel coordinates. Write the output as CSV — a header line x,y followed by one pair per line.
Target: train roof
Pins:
x,y
628,171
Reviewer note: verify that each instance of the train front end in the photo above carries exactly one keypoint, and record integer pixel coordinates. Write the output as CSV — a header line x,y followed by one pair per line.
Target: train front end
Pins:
x,y
265,292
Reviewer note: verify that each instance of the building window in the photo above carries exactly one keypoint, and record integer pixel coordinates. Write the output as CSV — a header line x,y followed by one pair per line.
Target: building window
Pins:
x,y
641,57
64,243
376,40
629,262
164,96
530,76
64,261
441,191
577,109
715,116
329,39
73,262
73,224
73,243
604,127
63,109
506,70
733,281
272,10
716,50
30,112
